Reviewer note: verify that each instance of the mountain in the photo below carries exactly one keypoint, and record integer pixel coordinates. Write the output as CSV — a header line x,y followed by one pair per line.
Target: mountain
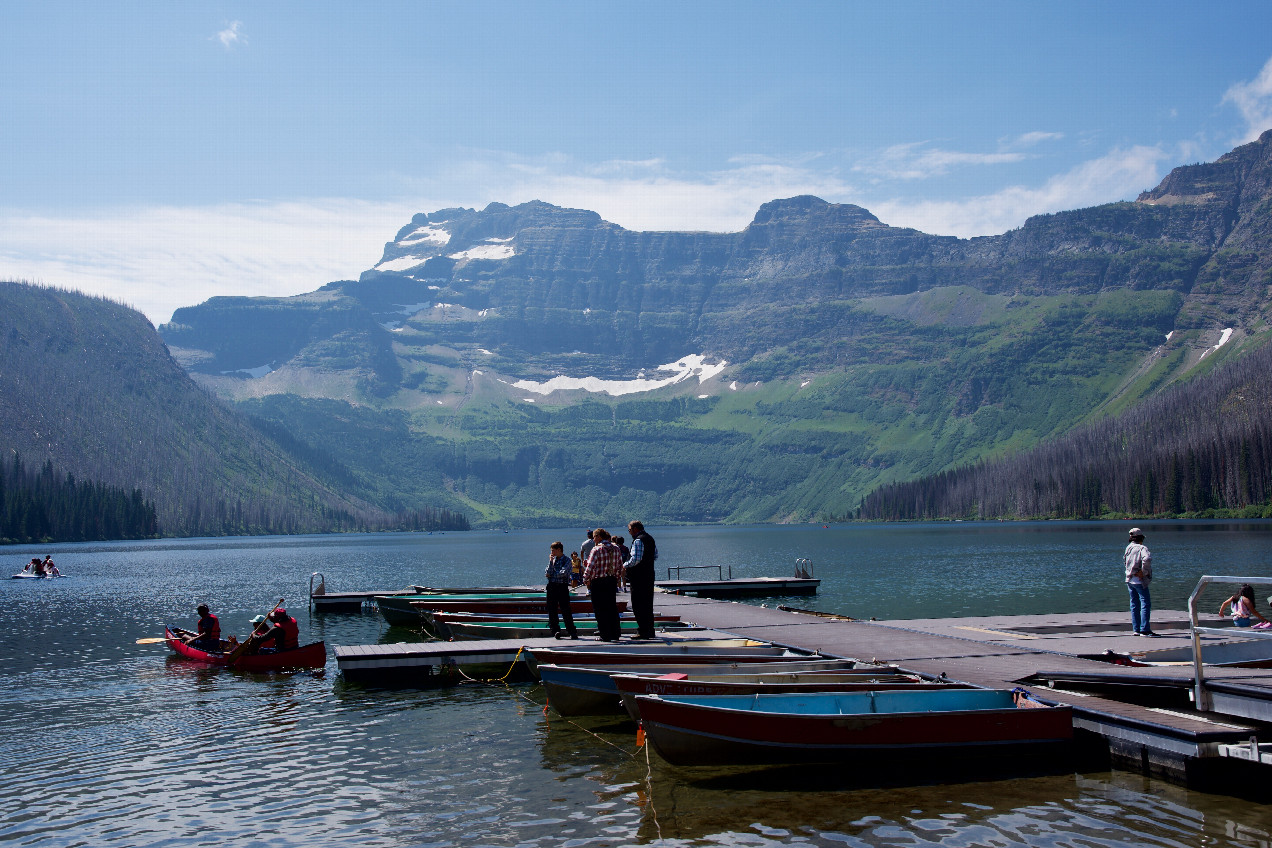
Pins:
x,y
1200,449
88,389
535,364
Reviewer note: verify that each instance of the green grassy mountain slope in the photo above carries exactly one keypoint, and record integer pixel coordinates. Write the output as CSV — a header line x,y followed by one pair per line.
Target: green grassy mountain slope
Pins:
x,y
87,385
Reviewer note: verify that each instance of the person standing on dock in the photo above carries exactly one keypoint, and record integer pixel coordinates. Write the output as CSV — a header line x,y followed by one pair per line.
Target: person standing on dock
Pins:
x,y
559,573
1139,573
601,576
640,578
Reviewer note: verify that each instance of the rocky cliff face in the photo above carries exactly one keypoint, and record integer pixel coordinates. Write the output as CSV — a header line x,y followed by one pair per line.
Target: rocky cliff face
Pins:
x,y
536,280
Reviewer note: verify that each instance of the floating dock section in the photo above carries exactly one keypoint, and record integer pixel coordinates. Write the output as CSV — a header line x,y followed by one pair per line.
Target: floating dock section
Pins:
x,y
742,587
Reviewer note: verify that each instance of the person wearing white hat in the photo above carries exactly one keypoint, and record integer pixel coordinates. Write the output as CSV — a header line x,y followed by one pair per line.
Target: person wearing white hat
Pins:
x,y
1139,573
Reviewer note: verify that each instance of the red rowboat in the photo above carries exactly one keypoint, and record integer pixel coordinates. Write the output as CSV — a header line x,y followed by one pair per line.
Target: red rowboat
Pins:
x,y
306,656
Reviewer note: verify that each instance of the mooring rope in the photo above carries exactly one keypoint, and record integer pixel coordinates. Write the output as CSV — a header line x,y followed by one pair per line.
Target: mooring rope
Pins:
x,y
503,680
640,736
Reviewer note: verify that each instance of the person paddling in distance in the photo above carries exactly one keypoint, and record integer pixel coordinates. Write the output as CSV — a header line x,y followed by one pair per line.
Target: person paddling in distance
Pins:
x,y
50,570
1241,606
208,636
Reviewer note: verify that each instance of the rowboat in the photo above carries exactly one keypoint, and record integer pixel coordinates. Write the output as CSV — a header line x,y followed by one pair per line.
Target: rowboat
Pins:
x,y
593,690
478,590
306,656
26,575
840,727
631,686
584,622
417,610
530,630
1243,653
531,617
690,651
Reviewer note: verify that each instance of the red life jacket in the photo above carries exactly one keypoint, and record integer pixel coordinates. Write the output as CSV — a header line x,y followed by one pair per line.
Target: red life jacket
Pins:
x,y
210,627
290,634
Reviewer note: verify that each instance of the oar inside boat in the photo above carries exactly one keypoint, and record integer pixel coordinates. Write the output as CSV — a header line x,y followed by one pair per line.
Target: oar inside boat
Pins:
x,y
233,656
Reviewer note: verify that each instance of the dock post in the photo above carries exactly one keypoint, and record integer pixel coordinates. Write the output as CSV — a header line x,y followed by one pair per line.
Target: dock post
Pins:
x,y
1201,697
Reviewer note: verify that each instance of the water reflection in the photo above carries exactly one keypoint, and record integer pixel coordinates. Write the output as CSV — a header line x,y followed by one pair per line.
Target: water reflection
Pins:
x,y
109,743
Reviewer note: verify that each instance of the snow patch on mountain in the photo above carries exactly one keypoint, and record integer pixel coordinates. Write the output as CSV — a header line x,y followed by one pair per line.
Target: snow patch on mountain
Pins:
x,y
1223,340
402,263
490,249
685,368
426,234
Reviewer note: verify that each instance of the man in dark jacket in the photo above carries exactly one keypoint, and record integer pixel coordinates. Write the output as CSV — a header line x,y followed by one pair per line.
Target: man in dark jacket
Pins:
x,y
639,569
559,573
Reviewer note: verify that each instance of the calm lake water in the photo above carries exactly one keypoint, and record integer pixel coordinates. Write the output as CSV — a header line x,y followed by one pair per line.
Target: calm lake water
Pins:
x,y
105,742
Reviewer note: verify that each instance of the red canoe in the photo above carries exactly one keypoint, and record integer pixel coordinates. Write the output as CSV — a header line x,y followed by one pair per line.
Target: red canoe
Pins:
x,y
306,656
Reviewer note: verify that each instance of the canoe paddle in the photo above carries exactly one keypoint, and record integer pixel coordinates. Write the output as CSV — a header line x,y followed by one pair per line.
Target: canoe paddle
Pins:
x,y
233,656
184,635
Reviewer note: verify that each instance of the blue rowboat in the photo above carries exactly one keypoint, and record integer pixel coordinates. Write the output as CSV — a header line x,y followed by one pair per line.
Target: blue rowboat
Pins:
x,y
697,682
741,729
574,690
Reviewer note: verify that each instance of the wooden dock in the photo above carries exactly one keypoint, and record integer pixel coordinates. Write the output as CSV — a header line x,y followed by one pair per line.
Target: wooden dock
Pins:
x,y
349,601
1140,718
742,587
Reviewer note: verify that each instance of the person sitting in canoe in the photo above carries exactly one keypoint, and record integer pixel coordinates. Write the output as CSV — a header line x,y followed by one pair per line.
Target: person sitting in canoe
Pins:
x,y
35,566
282,636
208,637
260,639
286,631
50,569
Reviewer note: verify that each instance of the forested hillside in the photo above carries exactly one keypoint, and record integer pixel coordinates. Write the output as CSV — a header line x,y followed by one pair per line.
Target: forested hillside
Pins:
x,y
1198,449
37,505
89,391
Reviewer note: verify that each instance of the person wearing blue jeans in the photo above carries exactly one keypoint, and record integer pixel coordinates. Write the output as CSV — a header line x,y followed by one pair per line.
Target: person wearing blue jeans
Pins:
x,y
1139,573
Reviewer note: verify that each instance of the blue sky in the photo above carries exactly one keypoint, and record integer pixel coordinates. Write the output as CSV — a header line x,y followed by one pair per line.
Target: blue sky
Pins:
x,y
163,153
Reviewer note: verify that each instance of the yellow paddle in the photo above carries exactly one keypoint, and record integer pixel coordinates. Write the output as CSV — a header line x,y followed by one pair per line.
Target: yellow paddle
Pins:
x,y
155,640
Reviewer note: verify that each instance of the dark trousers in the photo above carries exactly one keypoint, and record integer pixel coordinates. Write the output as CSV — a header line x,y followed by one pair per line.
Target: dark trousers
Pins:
x,y
559,602
640,582
602,591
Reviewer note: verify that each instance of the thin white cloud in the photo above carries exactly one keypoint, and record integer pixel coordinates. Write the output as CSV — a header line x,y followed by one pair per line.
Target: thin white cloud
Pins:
x,y
157,259
232,35
917,161
1119,175
1030,139
1253,100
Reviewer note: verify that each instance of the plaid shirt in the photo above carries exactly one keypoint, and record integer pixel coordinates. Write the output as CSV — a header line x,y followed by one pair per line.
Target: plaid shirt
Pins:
x,y
605,560
559,570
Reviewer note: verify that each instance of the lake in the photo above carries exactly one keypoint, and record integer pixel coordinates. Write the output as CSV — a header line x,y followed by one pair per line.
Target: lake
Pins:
x,y
106,742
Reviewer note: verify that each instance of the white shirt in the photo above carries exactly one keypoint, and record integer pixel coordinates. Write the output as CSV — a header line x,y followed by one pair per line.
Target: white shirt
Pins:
x,y
1139,564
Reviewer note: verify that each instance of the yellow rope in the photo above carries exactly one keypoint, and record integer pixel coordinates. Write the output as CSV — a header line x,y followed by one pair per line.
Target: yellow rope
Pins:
x,y
649,786
503,680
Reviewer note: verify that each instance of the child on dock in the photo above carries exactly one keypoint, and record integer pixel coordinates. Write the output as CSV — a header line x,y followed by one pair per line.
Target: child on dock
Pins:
x,y
1241,606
